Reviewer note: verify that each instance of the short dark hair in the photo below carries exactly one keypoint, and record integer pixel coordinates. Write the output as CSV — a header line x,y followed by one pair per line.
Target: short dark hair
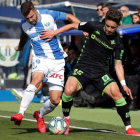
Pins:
x,y
114,15
108,5
100,4
136,14
26,7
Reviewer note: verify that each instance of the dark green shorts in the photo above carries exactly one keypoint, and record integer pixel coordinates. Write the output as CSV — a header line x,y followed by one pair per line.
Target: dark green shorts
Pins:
x,y
99,80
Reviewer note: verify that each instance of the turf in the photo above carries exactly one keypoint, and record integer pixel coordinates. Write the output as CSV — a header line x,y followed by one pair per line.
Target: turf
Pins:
x,y
97,119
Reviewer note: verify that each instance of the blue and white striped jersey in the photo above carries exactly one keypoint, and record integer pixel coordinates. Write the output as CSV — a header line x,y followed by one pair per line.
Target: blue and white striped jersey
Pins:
x,y
51,49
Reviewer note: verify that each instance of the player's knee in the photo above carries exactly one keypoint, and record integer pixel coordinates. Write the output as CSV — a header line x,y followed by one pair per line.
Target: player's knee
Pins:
x,y
55,101
69,90
116,95
36,82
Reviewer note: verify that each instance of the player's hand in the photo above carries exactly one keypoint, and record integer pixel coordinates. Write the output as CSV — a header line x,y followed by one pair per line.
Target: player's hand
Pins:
x,y
86,34
17,48
47,34
128,91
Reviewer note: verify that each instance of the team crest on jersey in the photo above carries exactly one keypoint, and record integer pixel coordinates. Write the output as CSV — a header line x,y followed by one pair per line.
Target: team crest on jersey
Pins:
x,y
47,24
83,23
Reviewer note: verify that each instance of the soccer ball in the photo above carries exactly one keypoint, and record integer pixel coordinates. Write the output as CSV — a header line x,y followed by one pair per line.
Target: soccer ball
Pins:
x,y
57,126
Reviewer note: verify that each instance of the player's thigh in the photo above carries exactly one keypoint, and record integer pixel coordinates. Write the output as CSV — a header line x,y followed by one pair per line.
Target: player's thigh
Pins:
x,y
55,93
72,86
55,96
113,91
36,78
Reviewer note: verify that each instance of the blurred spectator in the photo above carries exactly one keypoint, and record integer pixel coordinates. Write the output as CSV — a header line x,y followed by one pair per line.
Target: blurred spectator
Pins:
x,y
126,16
36,2
65,46
138,9
105,8
132,62
71,60
136,18
3,33
99,11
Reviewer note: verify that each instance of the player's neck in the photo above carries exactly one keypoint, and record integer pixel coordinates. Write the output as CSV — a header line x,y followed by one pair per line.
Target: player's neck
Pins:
x,y
38,16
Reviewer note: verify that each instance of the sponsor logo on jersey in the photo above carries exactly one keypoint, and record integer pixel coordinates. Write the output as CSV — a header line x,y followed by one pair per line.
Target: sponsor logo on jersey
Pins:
x,y
36,38
56,76
100,41
106,79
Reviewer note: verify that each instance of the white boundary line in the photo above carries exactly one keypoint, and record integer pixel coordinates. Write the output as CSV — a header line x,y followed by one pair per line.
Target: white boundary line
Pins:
x,y
81,128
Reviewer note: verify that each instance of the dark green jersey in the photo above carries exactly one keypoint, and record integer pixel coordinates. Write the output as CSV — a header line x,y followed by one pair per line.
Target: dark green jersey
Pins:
x,y
98,47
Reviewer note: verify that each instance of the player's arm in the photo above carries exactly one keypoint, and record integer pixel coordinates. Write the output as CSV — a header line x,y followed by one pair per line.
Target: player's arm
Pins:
x,y
120,74
87,27
119,68
72,18
22,42
51,33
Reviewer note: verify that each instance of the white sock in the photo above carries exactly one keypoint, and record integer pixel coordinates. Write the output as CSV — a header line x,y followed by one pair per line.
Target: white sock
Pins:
x,y
127,127
47,108
27,98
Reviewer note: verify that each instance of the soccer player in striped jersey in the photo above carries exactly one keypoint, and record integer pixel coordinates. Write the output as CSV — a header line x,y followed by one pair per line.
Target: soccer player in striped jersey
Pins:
x,y
48,59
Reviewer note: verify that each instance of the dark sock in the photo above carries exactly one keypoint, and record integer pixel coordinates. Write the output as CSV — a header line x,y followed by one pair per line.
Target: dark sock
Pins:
x,y
123,111
67,102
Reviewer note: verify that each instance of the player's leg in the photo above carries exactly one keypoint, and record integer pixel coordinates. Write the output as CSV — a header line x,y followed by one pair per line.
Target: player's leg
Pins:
x,y
28,96
113,91
72,86
55,92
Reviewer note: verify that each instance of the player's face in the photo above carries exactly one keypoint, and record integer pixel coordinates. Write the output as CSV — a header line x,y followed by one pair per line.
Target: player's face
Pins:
x,y
110,27
32,17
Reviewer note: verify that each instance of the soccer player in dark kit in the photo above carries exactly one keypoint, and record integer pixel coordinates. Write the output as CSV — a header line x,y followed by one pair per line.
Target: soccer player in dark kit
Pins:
x,y
93,65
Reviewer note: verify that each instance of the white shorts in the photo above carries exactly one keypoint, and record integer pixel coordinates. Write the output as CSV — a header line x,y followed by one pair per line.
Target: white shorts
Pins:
x,y
53,70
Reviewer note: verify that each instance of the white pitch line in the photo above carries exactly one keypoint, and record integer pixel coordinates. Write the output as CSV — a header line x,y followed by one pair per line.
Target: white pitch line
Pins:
x,y
81,128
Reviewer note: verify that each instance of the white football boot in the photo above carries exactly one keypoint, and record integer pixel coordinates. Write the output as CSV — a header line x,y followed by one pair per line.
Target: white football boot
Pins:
x,y
18,94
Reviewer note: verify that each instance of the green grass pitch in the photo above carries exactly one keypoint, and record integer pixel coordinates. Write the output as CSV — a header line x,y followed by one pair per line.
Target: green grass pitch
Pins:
x,y
86,124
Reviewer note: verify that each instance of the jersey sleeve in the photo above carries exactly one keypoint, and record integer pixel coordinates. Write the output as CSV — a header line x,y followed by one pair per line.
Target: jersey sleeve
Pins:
x,y
57,15
119,51
87,26
22,21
